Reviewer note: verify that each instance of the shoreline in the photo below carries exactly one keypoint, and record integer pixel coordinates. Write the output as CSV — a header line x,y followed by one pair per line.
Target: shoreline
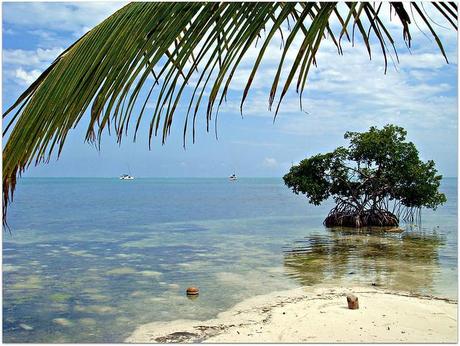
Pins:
x,y
317,314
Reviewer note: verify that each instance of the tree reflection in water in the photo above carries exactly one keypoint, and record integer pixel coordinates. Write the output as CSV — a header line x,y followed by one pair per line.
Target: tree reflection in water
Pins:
x,y
405,261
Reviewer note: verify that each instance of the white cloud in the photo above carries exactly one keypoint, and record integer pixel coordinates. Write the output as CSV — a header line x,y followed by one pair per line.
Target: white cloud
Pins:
x,y
26,77
353,92
36,58
349,87
24,66
425,61
270,162
72,17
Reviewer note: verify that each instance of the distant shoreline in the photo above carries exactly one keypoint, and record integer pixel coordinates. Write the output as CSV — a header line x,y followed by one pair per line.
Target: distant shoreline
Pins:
x,y
317,314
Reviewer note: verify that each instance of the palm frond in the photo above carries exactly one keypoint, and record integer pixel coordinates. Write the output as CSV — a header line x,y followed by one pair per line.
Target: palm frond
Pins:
x,y
161,47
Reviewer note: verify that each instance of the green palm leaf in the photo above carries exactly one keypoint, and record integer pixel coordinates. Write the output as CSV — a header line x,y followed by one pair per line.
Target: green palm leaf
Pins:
x,y
106,69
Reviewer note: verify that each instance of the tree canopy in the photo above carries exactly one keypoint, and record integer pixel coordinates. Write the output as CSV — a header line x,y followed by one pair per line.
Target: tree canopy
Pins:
x,y
159,46
375,180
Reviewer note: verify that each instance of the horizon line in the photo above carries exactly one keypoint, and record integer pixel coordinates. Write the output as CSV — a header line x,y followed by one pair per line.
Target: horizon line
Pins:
x,y
149,177
162,177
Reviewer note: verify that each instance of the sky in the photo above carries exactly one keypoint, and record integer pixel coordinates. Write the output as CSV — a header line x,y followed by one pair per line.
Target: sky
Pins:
x,y
346,92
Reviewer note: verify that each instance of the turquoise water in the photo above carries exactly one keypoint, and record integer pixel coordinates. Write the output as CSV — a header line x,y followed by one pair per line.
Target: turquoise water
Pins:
x,y
88,260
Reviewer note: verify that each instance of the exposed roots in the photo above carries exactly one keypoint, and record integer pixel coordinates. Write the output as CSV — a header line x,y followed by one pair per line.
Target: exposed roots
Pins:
x,y
349,216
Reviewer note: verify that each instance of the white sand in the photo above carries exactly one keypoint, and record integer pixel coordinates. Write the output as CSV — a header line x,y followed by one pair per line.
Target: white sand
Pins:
x,y
317,315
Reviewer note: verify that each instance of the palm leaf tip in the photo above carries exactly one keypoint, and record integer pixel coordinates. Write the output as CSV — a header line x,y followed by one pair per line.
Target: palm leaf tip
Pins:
x,y
107,68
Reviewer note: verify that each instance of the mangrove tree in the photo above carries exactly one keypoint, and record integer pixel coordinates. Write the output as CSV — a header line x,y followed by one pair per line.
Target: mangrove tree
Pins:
x,y
376,181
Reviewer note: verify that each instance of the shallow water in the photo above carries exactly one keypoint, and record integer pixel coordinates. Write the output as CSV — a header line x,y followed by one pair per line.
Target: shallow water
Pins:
x,y
90,259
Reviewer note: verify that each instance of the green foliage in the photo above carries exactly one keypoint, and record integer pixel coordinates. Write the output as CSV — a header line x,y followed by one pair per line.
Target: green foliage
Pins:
x,y
377,168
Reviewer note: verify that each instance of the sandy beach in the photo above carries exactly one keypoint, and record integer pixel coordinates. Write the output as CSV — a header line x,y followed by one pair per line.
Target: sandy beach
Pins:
x,y
315,315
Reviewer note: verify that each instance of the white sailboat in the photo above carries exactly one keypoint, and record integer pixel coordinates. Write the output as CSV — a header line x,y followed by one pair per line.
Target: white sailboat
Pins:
x,y
127,176
232,177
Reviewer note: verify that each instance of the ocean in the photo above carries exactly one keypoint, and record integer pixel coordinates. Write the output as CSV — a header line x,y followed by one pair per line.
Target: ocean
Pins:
x,y
90,259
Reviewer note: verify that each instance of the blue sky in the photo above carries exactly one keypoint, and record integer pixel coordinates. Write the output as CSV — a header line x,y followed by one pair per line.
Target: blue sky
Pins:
x,y
345,93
